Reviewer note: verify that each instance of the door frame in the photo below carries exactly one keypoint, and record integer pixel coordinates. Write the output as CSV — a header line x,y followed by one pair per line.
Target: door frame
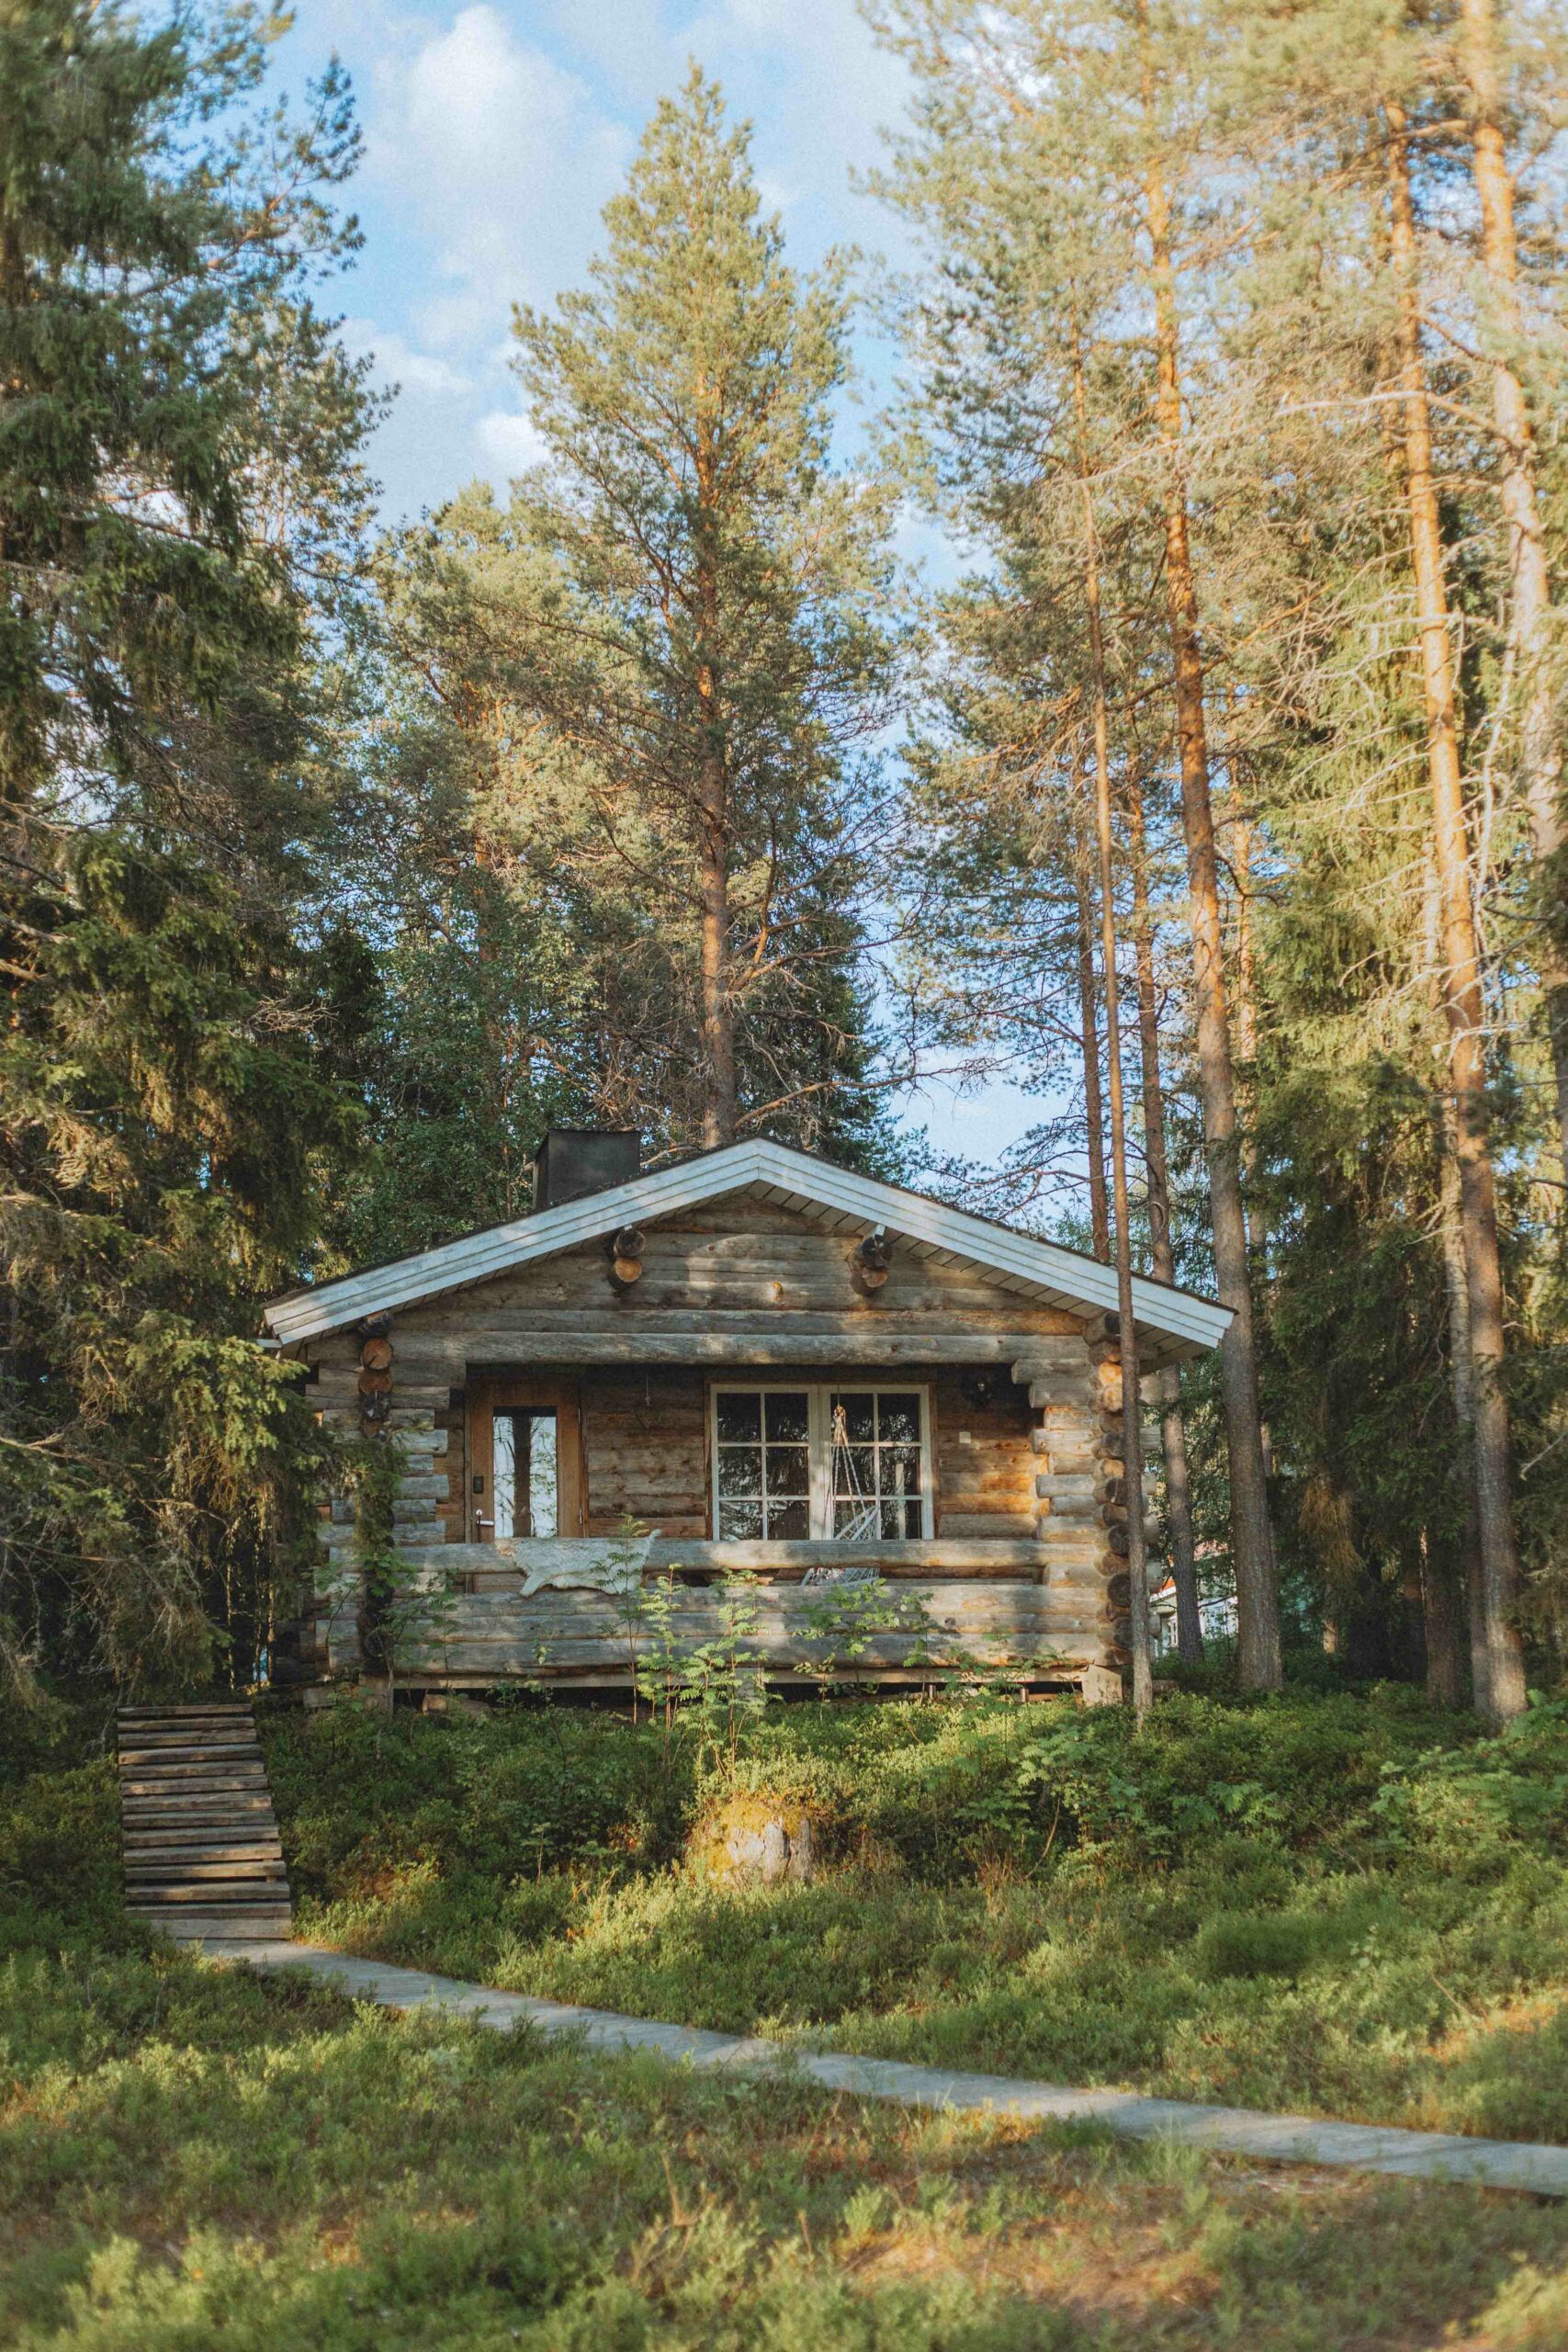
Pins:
x,y
493,1392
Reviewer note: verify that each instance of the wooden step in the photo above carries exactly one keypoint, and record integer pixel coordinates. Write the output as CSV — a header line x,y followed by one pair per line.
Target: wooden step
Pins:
x,y
217,1833
159,1823
222,1889
178,1865
200,1852
182,1820
194,1779
273,1921
155,1718
182,1727
189,1751
228,1710
246,1790
226,1857
213,1837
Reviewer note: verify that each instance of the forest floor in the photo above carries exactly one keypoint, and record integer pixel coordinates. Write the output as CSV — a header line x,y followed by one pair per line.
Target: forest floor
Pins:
x,y
189,2157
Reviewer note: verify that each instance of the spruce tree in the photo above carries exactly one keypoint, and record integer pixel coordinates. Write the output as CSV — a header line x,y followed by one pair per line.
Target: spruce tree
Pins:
x,y
178,472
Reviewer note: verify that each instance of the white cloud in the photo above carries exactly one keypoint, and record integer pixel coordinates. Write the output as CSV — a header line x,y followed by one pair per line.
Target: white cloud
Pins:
x,y
420,374
509,445
503,158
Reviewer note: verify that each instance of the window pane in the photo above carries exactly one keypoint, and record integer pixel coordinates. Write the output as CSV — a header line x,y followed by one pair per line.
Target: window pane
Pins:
x,y
893,1520
740,1522
859,1410
788,1522
914,1523
739,1469
855,1520
854,1470
788,1470
739,1418
786,1411
901,1470
898,1420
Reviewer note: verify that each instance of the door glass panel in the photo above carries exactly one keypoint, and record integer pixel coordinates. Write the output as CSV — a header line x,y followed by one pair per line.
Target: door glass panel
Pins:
x,y
544,1486
526,1474
503,1473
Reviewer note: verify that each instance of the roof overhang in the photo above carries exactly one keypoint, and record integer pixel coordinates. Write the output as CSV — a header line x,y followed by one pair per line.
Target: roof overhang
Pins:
x,y
1179,1323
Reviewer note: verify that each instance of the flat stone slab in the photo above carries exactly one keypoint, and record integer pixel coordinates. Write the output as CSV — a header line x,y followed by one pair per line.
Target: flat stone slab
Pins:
x,y
1536,2168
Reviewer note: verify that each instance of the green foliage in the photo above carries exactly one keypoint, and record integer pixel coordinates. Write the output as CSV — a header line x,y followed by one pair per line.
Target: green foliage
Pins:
x,y
1342,1904
663,668
193,2156
189,2154
179,495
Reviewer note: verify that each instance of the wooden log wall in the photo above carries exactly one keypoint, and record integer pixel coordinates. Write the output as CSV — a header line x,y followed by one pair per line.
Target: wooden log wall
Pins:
x,y
741,1282
413,1417
495,1637
645,1448
1075,1473
1025,1409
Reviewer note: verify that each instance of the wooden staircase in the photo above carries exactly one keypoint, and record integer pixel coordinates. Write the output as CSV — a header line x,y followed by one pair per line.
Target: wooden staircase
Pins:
x,y
201,1851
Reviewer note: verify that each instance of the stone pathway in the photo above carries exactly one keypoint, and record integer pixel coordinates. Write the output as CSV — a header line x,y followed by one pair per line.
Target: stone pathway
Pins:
x,y
1236,2130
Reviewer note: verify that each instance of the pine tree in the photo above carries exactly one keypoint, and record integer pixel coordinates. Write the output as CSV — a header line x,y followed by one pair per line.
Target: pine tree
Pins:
x,y
1041,169
709,657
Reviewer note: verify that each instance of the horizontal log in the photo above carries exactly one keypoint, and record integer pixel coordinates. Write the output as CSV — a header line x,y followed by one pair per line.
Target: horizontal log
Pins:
x,y
501,1633
959,1555
709,1339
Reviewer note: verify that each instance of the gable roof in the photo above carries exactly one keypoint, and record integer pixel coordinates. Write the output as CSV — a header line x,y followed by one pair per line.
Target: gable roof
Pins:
x,y
1184,1323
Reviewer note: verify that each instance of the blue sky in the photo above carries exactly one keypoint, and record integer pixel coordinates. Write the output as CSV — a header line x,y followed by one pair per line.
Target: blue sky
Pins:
x,y
494,132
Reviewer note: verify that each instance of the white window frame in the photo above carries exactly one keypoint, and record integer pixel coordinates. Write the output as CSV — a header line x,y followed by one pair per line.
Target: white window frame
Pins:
x,y
819,1444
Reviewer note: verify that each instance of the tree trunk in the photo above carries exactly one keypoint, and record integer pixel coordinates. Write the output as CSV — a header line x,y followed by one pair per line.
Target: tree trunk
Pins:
x,y
1462,1379
1462,1000
1246,1029
1439,1620
1257,1603
713,829
1173,1428
1132,1390
719,1018
1541,750
1089,1019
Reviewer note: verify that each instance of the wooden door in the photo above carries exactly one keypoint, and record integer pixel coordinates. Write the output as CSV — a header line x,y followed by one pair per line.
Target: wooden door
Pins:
x,y
545,1397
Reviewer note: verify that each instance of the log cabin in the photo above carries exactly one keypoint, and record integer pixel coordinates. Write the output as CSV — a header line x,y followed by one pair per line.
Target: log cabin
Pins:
x,y
747,1362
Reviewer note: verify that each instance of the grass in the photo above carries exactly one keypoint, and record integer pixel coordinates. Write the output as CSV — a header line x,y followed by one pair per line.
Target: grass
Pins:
x,y
1337,1906
190,2158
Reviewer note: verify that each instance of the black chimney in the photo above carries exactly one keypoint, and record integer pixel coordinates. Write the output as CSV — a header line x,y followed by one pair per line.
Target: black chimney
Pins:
x,y
574,1161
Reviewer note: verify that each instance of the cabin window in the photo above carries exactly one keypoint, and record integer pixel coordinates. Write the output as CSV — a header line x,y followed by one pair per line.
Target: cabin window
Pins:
x,y
834,1464
525,1473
